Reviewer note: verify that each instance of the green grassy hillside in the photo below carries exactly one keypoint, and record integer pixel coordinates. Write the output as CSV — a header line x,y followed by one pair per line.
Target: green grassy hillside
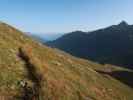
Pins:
x,y
32,71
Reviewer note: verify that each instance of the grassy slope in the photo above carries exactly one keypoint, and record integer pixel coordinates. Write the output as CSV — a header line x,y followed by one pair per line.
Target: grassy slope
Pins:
x,y
63,77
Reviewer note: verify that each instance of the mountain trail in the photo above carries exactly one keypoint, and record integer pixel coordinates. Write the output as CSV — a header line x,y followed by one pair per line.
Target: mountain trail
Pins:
x,y
34,92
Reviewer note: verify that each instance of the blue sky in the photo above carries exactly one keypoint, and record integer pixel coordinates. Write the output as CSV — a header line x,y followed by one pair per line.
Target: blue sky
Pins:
x,y
53,16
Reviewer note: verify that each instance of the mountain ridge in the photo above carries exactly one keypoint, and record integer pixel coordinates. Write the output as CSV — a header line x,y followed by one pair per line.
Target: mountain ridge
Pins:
x,y
102,45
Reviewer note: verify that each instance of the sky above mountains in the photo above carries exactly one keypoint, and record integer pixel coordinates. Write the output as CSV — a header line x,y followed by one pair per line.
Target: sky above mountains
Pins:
x,y
49,16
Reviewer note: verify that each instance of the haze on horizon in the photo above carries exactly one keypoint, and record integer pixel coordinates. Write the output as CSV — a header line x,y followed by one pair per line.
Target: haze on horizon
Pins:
x,y
53,16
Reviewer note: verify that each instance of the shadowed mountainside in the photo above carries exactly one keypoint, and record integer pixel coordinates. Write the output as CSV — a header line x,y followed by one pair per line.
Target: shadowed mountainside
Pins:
x,y
123,76
112,45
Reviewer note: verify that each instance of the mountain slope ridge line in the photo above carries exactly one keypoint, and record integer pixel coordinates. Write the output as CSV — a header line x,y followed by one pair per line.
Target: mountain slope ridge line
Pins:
x,y
109,45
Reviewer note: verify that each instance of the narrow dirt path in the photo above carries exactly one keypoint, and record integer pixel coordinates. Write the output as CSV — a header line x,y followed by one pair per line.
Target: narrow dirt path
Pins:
x,y
33,93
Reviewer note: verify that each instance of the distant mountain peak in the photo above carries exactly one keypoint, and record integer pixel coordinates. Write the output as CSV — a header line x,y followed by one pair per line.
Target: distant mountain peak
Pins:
x,y
123,23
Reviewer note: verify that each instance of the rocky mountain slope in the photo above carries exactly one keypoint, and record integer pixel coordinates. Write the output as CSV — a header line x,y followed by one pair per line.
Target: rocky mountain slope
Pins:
x,y
113,45
32,71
